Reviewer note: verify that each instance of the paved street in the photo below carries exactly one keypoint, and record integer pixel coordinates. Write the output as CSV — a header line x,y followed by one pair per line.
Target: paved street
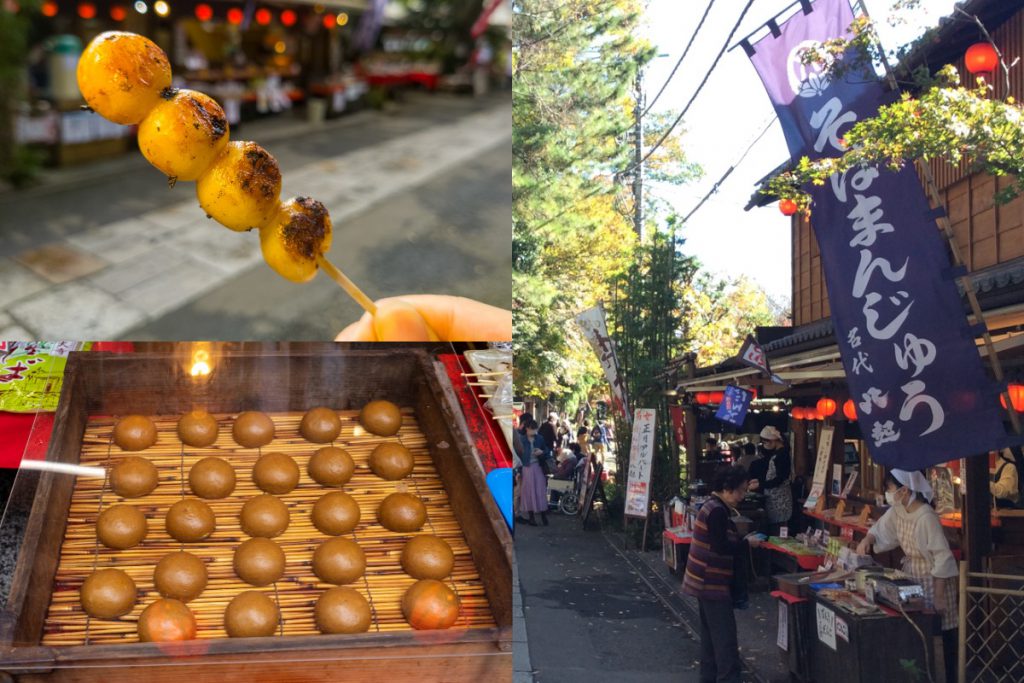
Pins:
x,y
592,615
420,199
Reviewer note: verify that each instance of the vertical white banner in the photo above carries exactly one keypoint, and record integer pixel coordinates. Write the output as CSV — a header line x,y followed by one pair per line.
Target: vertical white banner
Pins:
x,y
641,456
595,329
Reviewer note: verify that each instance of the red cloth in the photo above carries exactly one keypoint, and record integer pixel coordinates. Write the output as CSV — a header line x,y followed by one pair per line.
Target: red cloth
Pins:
x,y
791,599
809,562
483,428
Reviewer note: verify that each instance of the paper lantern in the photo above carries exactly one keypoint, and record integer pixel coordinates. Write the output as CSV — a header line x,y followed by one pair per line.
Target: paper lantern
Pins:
x,y
850,410
797,413
981,58
263,16
204,12
788,207
702,398
235,15
826,406
86,10
49,8
1016,392
329,21
288,17
717,397
118,12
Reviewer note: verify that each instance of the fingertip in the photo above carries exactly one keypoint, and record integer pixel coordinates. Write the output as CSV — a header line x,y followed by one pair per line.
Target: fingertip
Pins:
x,y
400,321
360,330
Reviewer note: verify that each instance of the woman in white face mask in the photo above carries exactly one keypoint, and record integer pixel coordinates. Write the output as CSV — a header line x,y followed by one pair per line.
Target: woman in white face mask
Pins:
x,y
912,525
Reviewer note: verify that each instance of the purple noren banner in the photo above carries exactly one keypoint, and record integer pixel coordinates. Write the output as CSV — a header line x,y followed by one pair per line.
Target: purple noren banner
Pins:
x,y
913,368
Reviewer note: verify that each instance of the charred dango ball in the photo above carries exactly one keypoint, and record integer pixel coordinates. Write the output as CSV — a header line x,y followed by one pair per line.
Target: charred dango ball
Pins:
x,y
241,190
121,76
183,134
293,239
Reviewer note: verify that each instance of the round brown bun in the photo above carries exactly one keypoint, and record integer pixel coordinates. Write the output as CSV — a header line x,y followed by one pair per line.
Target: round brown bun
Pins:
x,y
165,620
212,477
391,461
382,418
108,594
335,513
133,477
259,561
339,560
275,473
320,425
253,429
180,575
134,433
402,512
427,557
251,614
121,527
342,610
197,429
190,519
430,604
331,466
264,516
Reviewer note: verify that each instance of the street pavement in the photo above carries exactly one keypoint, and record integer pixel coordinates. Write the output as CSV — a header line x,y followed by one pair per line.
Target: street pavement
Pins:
x,y
420,200
592,615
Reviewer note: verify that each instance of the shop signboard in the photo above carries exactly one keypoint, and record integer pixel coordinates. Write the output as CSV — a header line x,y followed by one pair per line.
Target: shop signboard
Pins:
x,y
641,457
907,348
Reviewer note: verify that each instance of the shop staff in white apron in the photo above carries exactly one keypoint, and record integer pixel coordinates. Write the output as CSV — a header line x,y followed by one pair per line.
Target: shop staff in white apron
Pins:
x,y
912,524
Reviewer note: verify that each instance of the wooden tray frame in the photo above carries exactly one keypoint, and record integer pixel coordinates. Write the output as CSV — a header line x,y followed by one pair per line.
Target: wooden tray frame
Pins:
x,y
303,376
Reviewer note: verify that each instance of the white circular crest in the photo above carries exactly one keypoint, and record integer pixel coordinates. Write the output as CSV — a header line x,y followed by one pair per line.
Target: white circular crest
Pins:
x,y
806,80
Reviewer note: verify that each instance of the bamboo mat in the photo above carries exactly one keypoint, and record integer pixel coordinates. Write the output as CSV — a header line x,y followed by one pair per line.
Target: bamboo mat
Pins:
x,y
297,591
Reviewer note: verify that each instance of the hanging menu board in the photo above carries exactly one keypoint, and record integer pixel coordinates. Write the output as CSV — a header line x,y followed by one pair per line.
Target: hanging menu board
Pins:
x,y
820,467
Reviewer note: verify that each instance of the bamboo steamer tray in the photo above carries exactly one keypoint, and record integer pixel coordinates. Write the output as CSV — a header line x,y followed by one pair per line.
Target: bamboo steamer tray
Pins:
x,y
45,633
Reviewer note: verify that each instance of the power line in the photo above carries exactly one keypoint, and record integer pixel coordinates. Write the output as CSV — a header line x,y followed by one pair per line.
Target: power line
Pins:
x,y
714,188
671,128
702,83
707,11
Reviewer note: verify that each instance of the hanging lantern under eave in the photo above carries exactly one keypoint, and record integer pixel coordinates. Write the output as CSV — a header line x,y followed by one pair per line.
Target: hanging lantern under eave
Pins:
x,y
826,406
850,410
702,398
717,397
788,207
235,16
797,413
981,58
1016,392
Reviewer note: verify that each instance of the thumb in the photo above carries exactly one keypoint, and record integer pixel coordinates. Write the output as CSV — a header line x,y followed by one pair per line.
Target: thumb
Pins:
x,y
397,320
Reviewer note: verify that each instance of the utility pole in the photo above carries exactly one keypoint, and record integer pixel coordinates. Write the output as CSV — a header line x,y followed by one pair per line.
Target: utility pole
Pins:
x,y
638,155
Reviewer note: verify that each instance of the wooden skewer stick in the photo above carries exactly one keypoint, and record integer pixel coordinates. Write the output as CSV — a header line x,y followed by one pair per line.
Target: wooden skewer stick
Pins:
x,y
347,284
487,374
63,468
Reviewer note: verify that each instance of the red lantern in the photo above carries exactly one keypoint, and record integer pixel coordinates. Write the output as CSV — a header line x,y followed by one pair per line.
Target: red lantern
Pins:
x,y
235,15
49,8
850,410
86,10
981,58
826,406
288,17
717,396
1016,392
788,207
703,398
797,413
329,21
118,12
263,16
204,12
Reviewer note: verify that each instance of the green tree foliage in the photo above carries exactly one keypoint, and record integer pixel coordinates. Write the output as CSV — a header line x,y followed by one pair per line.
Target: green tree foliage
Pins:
x,y
647,316
936,118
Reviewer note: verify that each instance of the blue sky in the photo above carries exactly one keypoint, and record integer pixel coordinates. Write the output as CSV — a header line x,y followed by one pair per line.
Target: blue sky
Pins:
x,y
729,113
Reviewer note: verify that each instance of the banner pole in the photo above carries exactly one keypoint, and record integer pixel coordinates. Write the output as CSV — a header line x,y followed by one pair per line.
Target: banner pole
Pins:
x,y
947,230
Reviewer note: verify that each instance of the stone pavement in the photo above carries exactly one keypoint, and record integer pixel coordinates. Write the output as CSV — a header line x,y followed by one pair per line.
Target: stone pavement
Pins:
x,y
590,615
121,259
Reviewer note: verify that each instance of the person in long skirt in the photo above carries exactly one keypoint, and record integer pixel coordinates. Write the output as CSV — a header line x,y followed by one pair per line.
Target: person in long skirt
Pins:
x,y
533,497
